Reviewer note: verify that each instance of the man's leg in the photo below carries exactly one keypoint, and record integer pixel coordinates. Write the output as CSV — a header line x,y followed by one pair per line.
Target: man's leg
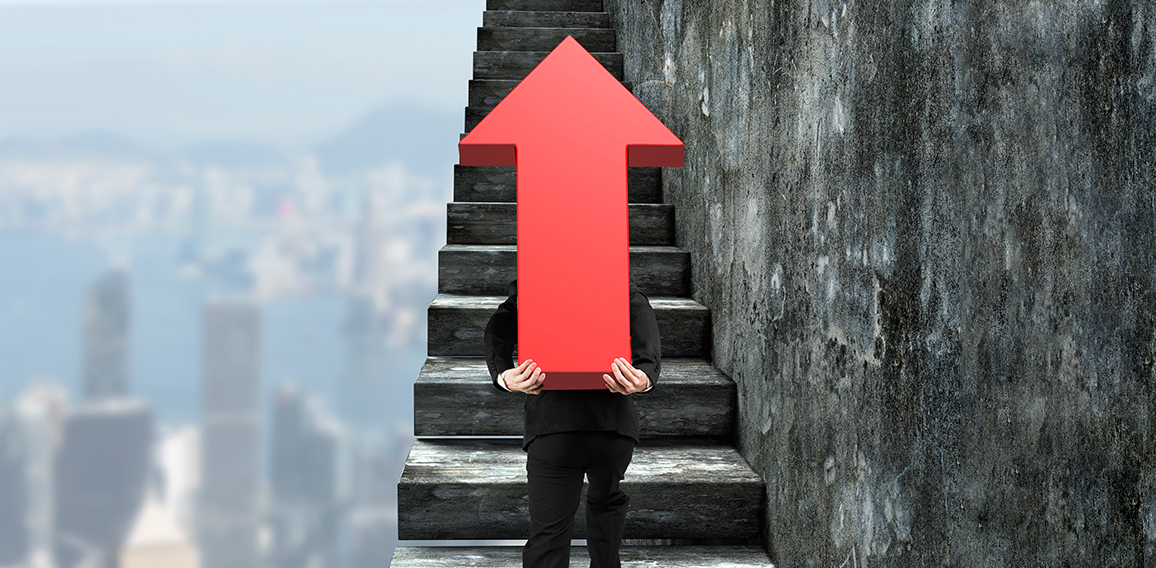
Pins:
x,y
606,503
554,466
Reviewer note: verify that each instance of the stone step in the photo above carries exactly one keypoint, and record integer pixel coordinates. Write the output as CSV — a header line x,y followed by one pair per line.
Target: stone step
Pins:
x,y
485,183
546,5
476,489
489,269
518,64
456,324
522,19
453,396
485,95
544,39
495,224
632,557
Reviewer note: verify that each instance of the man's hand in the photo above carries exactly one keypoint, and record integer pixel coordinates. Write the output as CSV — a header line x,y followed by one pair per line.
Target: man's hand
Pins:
x,y
526,377
626,378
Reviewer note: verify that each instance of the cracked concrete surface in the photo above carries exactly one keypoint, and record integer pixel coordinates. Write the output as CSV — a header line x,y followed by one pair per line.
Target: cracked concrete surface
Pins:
x,y
927,235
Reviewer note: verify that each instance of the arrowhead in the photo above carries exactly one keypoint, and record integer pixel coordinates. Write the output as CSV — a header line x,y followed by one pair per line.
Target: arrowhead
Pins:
x,y
570,99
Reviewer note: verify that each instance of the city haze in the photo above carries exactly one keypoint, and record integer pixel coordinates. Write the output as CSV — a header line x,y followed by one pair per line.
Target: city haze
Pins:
x,y
219,223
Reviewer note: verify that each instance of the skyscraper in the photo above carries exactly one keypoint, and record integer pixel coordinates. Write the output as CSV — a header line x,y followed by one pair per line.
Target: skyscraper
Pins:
x,y
101,474
41,409
107,320
228,517
310,481
13,529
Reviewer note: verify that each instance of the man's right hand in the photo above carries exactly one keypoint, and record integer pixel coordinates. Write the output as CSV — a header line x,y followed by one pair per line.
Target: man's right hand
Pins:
x,y
526,377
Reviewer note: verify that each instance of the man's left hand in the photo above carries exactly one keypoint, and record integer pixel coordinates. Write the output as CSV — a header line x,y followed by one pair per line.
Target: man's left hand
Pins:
x,y
626,378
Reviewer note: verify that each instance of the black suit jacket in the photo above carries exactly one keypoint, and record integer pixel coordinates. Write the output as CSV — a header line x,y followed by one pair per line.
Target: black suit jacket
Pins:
x,y
553,411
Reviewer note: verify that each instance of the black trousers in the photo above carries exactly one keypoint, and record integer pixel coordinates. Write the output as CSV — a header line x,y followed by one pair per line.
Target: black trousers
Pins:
x,y
555,466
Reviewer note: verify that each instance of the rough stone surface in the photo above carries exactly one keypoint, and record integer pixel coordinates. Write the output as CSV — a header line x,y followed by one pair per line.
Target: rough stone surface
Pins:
x,y
457,489
926,234
453,396
632,557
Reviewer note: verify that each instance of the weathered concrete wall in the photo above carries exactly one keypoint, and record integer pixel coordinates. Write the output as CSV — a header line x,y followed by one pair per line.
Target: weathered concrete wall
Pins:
x,y
927,232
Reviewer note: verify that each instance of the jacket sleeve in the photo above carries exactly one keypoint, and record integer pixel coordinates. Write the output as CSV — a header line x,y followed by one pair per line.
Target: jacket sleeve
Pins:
x,y
645,346
500,338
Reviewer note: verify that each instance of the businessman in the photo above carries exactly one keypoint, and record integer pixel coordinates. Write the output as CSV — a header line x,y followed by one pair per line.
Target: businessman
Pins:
x,y
574,433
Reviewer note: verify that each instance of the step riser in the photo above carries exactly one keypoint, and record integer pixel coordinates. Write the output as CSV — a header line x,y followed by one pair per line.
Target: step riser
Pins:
x,y
701,511
546,5
478,409
456,331
678,410
453,396
494,224
499,184
518,64
485,95
509,19
658,271
544,39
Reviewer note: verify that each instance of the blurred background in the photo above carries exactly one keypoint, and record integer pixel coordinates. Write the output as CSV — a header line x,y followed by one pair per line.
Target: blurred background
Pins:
x,y
218,231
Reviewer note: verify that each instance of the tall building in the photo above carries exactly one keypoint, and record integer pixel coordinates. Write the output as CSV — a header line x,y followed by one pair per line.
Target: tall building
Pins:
x,y
371,523
107,318
13,491
228,515
101,474
310,481
41,410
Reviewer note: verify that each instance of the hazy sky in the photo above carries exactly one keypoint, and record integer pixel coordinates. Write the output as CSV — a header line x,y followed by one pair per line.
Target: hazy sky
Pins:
x,y
181,71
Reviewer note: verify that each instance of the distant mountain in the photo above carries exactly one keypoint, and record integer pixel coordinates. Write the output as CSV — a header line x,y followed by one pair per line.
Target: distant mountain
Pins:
x,y
425,140
234,154
95,143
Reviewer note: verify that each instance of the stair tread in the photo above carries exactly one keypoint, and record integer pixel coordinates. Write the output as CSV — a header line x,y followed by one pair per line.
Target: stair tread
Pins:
x,y
491,303
651,249
500,462
468,370
681,489
509,206
632,557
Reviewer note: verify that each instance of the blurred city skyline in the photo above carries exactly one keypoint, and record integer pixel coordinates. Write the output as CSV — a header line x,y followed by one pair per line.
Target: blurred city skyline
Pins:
x,y
201,196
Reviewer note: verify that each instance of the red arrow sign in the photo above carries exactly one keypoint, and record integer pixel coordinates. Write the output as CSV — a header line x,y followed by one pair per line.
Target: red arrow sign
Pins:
x,y
572,129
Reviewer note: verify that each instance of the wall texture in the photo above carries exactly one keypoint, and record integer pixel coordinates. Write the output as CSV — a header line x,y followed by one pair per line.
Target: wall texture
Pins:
x,y
927,232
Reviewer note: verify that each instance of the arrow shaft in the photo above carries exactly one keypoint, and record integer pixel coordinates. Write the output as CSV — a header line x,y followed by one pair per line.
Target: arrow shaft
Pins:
x,y
573,257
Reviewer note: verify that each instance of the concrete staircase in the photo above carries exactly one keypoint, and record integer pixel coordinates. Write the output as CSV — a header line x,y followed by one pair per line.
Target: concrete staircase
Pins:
x,y
694,500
